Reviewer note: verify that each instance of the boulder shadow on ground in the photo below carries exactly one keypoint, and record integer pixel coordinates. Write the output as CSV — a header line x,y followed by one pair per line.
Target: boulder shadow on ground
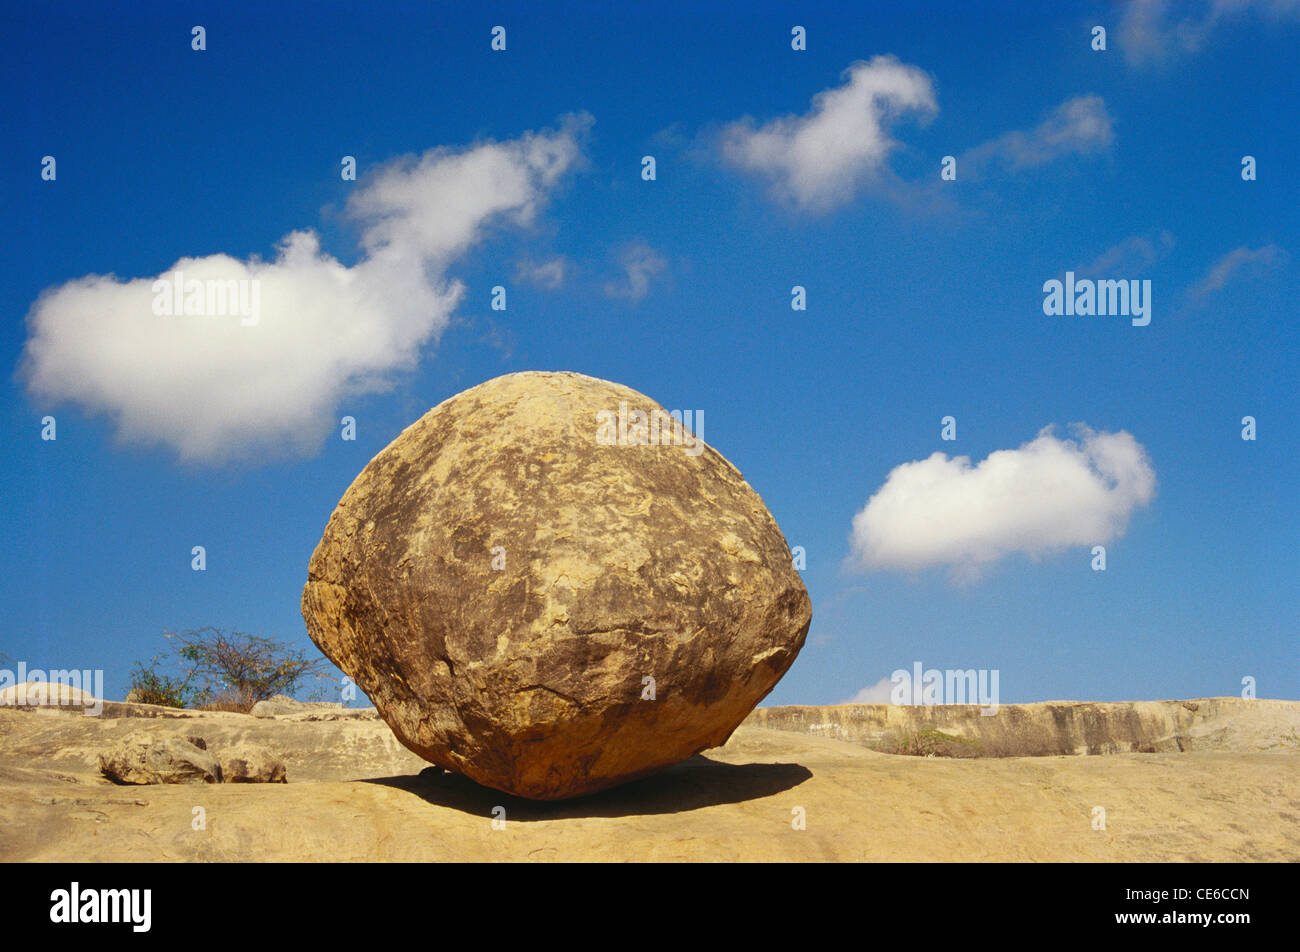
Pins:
x,y
691,785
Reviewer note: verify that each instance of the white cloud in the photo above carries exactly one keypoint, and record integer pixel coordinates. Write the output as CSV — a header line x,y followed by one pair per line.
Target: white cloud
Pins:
x,y
214,388
818,160
1149,32
1132,256
547,274
1078,125
877,693
1146,35
1234,261
640,263
1047,495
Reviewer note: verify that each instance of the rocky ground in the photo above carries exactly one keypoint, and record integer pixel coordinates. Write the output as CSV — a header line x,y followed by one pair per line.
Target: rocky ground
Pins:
x,y
1222,784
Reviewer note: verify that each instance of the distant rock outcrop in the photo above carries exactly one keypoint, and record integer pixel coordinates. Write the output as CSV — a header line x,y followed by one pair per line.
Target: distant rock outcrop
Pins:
x,y
283,704
1048,728
43,694
550,586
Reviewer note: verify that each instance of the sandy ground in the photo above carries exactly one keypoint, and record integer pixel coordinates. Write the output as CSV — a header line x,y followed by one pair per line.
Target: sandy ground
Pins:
x,y
354,794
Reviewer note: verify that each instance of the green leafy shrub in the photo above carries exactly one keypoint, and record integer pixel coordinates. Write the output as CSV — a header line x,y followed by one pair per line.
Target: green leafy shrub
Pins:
x,y
223,671
149,686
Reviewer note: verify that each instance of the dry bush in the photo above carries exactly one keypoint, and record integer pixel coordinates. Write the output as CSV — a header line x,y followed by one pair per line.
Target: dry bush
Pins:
x,y
930,742
230,702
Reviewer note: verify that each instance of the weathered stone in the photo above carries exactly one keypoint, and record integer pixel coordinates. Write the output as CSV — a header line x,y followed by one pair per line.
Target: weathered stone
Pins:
x,y
44,694
251,763
504,585
142,759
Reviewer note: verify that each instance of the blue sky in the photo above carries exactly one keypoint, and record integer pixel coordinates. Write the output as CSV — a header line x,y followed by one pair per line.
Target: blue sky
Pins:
x,y
924,300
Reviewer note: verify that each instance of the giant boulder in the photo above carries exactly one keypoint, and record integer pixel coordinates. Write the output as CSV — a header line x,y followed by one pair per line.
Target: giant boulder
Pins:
x,y
550,593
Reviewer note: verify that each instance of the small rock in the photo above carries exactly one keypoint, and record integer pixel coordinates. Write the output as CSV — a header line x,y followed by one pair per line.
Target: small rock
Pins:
x,y
142,759
251,763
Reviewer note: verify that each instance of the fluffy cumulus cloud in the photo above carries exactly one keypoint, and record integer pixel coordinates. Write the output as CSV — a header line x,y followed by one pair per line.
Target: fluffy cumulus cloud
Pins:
x,y
1047,495
217,381
878,693
1239,260
818,160
1078,125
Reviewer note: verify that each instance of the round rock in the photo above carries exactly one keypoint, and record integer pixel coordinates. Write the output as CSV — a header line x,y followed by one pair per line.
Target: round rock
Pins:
x,y
551,586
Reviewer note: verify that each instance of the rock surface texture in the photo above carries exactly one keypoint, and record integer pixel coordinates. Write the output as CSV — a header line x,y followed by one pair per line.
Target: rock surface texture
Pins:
x,y
538,600
357,795
280,704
